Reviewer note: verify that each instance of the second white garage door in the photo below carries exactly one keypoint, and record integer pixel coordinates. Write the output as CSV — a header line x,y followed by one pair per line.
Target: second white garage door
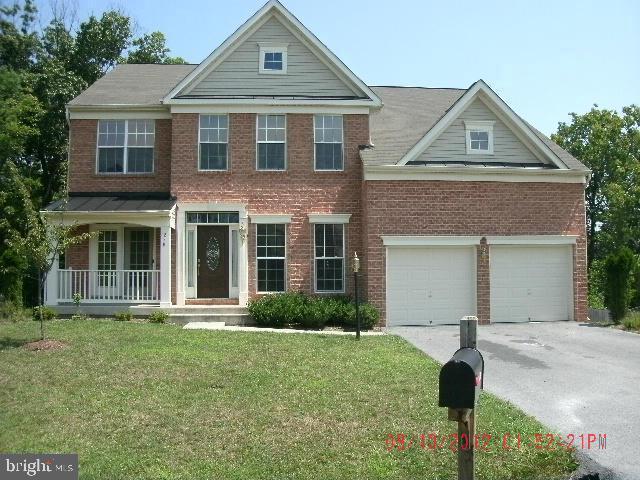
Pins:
x,y
430,285
531,283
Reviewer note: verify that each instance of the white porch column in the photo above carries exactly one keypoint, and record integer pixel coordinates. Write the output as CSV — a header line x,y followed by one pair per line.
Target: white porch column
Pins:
x,y
165,266
51,285
180,256
243,261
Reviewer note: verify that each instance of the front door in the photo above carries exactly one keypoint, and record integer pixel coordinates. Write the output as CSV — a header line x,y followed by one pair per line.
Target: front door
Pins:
x,y
213,261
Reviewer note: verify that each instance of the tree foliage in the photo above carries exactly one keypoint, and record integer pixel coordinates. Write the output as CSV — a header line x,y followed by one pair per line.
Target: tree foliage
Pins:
x,y
152,48
608,142
41,70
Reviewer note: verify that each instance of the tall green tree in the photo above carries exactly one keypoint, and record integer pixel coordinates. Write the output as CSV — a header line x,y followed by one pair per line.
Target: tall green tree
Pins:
x,y
609,144
152,48
41,70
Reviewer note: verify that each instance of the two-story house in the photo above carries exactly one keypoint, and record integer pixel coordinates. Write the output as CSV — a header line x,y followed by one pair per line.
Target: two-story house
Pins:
x,y
268,165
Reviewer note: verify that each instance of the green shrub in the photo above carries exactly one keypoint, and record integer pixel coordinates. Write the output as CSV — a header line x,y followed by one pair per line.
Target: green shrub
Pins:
x,y
47,313
632,321
635,284
80,316
279,309
123,316
11,312
317,313
596,284
159,316
337,310
617,292
369,317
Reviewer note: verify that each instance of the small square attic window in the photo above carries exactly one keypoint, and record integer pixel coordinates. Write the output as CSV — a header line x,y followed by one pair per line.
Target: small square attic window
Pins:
x,y
273,59
479,137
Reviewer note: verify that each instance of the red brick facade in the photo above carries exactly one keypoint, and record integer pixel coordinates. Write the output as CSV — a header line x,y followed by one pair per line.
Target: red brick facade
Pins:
x,y
298,191
473,208
82,162
376,207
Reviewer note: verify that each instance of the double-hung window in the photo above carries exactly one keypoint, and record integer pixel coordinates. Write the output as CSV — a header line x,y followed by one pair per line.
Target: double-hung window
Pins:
x,y
126,146
271,142
271,256
329,257
214,138
328,142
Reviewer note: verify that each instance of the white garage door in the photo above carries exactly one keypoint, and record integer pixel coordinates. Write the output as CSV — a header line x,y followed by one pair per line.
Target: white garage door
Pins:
x,y
430,285
531,283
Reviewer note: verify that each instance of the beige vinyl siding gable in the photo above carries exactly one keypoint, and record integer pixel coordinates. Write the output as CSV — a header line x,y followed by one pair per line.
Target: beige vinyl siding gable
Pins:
x,y
237,75
451,144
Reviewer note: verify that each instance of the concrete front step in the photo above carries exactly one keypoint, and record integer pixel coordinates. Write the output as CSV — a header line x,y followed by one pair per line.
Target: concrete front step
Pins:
x,y
208,309
238,319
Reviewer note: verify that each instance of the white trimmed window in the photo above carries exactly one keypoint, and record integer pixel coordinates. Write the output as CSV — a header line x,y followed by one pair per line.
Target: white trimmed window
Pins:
x,y
273,59
271,142
329,257
214,140
479,137
271,257
125,146
327,131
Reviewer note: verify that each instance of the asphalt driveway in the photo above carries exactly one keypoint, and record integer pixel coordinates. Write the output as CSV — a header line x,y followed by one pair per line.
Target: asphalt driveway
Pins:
x,y
575,378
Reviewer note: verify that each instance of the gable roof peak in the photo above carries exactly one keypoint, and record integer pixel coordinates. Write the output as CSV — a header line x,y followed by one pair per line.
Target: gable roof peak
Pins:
x,y
273,8
500,107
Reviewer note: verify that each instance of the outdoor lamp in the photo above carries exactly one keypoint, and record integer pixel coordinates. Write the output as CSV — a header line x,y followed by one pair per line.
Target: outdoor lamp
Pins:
x,y
355,266
355,263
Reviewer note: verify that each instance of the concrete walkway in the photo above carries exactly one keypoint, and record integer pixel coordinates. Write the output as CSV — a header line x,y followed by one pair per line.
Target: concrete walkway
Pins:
x,y
233,328
574,378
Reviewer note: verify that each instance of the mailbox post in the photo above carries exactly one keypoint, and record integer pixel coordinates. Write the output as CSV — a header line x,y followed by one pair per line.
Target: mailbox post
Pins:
x,y
461,380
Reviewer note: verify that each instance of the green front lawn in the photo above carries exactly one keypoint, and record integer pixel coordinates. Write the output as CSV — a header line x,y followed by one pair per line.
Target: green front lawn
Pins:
x,y
143,401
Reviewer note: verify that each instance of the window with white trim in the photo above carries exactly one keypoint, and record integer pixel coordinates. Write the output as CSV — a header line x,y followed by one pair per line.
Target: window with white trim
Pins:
x,y
271,257
273,59
479,137
214,138
327,133
271,142
125,146
329,257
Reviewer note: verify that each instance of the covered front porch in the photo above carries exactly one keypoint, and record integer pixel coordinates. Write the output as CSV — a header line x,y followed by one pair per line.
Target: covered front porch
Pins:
x,y
128,257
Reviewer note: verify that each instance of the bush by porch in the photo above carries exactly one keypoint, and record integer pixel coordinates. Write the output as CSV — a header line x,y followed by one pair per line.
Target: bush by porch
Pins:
x,y
299,310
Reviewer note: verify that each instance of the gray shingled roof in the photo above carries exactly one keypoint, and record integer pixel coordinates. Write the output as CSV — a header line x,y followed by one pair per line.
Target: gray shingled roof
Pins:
x,y
110,204
135,84
410,112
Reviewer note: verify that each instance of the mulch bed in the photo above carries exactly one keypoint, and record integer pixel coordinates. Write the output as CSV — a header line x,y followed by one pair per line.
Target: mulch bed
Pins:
x,y
45,345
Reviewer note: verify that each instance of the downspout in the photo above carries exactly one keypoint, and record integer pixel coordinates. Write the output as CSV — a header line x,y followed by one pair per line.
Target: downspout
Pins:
x,y
67,116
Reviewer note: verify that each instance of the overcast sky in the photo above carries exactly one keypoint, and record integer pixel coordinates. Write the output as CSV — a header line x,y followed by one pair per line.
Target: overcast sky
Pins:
x,y
544,58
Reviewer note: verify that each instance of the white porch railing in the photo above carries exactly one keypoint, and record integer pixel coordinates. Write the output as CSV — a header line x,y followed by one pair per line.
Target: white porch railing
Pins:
x,y
109,286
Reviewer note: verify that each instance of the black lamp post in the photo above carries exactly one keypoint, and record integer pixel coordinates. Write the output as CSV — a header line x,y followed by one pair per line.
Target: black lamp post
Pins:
x,y
355,266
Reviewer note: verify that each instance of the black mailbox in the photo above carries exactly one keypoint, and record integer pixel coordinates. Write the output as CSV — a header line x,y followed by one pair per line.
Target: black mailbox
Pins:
x,y
461,379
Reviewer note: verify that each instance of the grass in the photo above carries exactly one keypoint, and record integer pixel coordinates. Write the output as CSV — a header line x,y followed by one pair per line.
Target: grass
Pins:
x,y
632,321
145,401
